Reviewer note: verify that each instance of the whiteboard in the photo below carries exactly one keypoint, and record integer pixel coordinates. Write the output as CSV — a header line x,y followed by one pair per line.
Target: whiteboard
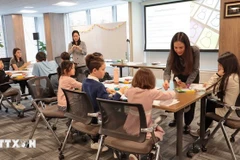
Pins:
x,y
108,39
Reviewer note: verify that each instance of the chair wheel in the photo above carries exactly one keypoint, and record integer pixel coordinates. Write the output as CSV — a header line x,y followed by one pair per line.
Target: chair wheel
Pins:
x,y
232,139
84,138
204,149
21,115
61,156
59,148
6,110
27,145
190,153
54,128
33,120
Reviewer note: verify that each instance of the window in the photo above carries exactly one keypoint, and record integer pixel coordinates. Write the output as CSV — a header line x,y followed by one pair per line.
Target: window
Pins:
x,y
2,47
30,44
122,12
101,15
78,18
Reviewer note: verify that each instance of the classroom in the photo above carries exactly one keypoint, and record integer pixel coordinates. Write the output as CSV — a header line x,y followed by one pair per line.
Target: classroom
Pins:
x,y
130,36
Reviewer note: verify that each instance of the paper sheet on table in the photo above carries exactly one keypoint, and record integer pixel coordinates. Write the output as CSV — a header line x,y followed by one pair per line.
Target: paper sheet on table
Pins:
x,y
198,87
16,74
134,63
165,102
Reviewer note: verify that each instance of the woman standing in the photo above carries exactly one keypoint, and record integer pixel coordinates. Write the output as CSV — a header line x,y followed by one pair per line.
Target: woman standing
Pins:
x,y
78,49
183,61
18,63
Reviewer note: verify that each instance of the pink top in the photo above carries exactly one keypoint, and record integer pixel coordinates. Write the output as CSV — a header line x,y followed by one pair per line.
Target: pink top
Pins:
x,y
66,82
146,98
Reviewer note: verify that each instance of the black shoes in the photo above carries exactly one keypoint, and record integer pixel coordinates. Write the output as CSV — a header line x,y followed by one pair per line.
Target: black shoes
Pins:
x,y
173,123
186,129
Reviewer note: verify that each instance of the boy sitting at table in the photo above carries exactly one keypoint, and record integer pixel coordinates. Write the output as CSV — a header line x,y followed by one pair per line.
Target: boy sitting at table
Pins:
x,y
7,90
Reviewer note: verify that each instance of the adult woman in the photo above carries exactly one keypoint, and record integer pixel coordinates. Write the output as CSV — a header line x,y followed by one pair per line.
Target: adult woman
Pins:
x,y
226,88
18,63
183,61
78,49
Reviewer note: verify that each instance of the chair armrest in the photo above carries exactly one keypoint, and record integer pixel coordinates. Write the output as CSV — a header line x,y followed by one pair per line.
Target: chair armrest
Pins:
x,y
94,114
151,130
10,82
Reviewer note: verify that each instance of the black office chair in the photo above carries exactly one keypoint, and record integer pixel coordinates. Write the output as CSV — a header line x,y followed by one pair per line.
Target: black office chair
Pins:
x,y
40,88
58,60
226,121
80,75
125,134
6,62
80,111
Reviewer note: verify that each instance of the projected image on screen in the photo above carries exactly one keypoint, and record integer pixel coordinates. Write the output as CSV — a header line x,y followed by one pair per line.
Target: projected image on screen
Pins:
x,y
198,19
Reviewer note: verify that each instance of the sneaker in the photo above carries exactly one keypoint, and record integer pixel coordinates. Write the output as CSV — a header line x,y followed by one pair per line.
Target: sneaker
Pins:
x,y
186,129
132,157
195,133
172,123
160,119
95,146
19,106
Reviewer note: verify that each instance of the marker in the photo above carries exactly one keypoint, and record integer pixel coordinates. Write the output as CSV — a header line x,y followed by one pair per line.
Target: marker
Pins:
x,y
177,79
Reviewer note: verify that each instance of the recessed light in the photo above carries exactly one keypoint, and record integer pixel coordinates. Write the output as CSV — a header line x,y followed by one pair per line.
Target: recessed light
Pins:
x,y
28,11
28,7
65,4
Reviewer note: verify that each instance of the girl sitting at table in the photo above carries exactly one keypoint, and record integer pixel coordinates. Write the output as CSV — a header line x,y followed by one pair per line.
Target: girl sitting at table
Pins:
x,y
143,91
95,89
18,63
66,82
226,89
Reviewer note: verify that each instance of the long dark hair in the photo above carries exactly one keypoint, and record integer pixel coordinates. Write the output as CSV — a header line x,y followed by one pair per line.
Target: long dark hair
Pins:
x,y
187,57
79,40
230,66
14,54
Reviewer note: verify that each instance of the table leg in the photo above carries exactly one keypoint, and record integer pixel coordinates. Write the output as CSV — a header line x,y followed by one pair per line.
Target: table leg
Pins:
x,y
179,134
121,74
202,119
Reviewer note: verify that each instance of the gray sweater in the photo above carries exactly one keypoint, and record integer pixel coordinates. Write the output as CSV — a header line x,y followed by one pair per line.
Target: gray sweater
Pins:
x,y
78,56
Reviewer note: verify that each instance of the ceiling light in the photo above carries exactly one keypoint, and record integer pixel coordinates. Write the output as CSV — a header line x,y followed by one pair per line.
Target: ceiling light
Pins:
x,y
28,7
28,11
65,4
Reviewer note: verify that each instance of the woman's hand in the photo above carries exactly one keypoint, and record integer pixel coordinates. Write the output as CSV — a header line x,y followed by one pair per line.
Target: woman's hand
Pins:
x,y
166,85
181,84
79,48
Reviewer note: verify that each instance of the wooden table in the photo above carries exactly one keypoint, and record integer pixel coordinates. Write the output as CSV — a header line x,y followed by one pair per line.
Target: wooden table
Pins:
x,y
185,99
137,65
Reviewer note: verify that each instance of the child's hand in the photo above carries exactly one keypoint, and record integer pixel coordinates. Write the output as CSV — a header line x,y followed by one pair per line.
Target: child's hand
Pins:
x,y
110,91
205,84
9,73
166,85
122,90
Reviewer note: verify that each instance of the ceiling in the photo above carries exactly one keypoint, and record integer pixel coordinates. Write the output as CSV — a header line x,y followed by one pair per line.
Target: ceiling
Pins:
x,y
46,6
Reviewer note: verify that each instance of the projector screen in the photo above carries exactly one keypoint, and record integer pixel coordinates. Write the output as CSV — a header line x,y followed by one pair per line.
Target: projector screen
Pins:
x,y
198,19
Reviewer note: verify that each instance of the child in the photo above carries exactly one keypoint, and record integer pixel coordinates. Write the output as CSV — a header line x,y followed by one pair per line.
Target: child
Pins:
x,y
143,91
7,90
96,89
64,56
106,75
66,82
227,89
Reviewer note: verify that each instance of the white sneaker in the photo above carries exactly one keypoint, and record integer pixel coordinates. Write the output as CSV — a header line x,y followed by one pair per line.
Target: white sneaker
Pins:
x,y
95,146
132,157
195,133
19,106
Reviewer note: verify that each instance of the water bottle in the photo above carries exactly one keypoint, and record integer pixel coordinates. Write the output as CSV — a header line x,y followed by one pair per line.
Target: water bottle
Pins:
x,y
116,75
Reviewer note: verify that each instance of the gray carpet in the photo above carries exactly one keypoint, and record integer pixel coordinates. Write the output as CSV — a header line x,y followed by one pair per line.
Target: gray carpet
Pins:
x,y
13,127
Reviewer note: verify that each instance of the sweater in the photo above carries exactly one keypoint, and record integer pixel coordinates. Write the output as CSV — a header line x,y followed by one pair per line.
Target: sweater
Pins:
x,y
146,98
96,89
66,82
3,79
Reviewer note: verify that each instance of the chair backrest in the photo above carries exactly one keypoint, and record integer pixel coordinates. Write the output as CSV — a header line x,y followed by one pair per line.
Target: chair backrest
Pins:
x,y
237,104
58,60
54,79
78,106
41,87
122,120
6,62
80,73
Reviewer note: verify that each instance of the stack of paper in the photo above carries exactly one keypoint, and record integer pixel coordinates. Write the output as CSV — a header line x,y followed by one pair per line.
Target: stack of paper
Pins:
x,y
165,102
197,87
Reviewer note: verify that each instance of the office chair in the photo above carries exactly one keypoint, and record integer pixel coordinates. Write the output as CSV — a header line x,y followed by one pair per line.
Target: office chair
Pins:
x,y
80,111
116,118
6,62
40,88
43,93
58,60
